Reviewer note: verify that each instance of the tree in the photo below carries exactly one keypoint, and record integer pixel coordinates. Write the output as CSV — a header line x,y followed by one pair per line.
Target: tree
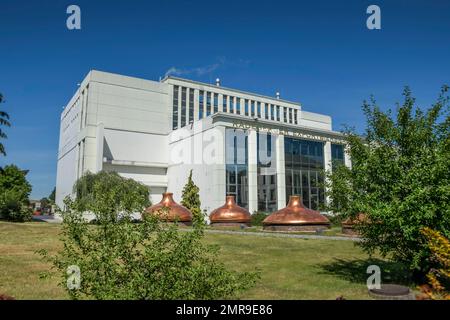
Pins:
x,y
52,196
399,178
14,194
119,259
4,121
191,199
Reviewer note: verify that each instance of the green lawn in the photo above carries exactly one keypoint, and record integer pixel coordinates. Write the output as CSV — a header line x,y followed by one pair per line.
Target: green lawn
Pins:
x,y
290,268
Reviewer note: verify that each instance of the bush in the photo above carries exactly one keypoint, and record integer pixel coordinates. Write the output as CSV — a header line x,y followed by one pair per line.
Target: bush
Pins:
x,y
14,193
119,259
439,275
257,218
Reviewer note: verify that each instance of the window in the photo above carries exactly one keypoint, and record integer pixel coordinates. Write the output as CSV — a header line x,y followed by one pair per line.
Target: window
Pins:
x,y
246,107
266,111
191,105
208,104
337,155
175,108
303,165
231,104
258,109
290,115
285,114
201,103
278,113
238,105
216,102
252,110
225,104
236,155
295,116
183,106
272,112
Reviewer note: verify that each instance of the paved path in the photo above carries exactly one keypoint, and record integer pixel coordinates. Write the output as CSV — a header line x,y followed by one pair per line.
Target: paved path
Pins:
x,y
284,235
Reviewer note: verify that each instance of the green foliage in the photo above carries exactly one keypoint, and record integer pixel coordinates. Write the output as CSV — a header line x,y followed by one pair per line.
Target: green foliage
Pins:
x,y
119,259
399,178
108,192
4,121
190,199
14,193
257,218
52,196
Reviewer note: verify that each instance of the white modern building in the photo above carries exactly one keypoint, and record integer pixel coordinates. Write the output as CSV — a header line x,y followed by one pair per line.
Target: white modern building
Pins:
x,y
259,148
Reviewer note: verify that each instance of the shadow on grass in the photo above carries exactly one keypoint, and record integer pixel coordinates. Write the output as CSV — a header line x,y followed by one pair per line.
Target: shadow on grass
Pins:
x,y
355,270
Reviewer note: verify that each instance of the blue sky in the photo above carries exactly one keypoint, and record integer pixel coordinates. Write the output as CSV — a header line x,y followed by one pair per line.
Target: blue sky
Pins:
x,y
319,53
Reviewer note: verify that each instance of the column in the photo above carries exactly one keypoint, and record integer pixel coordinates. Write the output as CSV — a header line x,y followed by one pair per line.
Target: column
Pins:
x,y
99,142
281,172
252,172
327,162
347,159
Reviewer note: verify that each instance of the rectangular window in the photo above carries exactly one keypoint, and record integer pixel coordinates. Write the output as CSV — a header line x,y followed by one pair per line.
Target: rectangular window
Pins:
x,y
295,116
252,110
304,164
290,115
225,103
258,109
216,102
183,106
272,112
278,113
201,103
337,155
231,104
246,107
266,110
238,105
236,155
208,104
191,105
285,114
175,108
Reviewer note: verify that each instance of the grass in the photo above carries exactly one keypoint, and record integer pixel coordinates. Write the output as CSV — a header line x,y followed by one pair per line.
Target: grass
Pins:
x,y
290,268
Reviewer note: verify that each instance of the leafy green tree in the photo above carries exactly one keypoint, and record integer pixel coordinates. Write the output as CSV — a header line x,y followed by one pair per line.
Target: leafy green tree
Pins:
x,y
190,199
14,194
119,259
4,121
52,196
399,178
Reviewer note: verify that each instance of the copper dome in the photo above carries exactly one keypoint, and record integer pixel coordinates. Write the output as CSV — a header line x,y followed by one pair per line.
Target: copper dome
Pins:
x,y
175,211
295,217
230,214
348,225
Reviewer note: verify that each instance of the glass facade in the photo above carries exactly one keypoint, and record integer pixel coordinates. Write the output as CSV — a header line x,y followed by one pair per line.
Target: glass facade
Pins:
x,y
183,106
225,104
236,155
337,155
191,105
175,108
267,172
304,164
208,104
201,103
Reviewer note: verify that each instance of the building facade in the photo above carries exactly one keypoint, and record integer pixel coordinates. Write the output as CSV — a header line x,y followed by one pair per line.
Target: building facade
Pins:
x,y
260,149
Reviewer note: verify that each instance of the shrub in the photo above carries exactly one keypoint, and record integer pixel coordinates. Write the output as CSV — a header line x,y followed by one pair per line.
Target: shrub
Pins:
x,y
257,218
119,259
190,199
439,276
14,193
